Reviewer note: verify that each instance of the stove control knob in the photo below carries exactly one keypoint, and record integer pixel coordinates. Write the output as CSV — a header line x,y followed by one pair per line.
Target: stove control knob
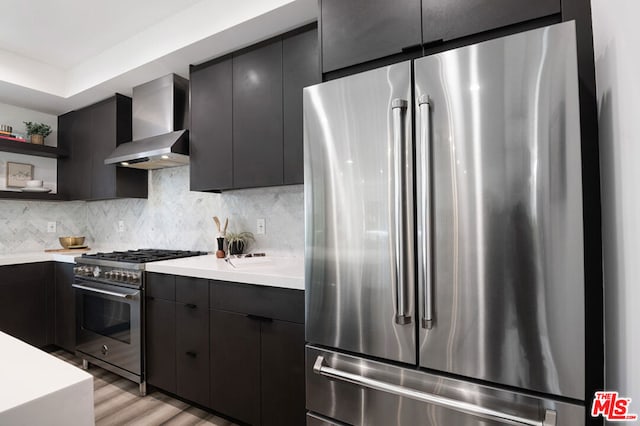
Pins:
x,y
117,275
108,275
96,271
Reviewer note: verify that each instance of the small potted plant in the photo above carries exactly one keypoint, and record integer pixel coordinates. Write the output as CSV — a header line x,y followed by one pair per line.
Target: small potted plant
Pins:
x,y
236,243
37,131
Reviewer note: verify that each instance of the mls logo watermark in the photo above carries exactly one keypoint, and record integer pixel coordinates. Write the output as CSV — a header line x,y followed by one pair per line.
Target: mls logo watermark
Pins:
x,y
612,407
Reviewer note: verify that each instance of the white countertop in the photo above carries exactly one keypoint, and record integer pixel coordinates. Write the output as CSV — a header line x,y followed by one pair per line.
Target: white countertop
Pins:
x,y
34,257
38,388
285,272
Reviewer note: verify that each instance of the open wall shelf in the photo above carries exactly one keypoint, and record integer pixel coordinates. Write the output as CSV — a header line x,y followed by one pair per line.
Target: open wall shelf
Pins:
x,y
10,145
15,195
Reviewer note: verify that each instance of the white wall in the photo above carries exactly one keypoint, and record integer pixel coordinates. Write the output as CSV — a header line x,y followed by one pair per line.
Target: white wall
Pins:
x,y
14,117
616,43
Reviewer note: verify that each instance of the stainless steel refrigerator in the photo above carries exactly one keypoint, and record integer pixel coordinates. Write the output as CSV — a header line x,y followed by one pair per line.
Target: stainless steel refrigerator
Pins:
x,y
444,239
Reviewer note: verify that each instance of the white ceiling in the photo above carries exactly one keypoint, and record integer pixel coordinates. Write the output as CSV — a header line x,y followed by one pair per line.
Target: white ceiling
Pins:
x,y
56,56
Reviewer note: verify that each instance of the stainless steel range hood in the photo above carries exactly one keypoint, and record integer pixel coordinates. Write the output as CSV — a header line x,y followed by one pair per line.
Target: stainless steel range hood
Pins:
x,y
160,117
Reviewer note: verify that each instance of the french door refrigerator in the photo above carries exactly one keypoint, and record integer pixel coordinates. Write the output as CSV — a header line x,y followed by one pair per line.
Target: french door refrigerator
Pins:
x,y
443,239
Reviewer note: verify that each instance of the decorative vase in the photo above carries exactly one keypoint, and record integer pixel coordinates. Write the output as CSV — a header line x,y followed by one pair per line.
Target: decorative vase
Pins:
x,y
37,139
220,253
236,247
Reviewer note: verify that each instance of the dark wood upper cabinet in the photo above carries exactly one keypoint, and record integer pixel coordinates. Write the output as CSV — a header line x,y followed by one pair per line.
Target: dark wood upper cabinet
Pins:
x,y
75,170
257,117
211,133
358,31
89,135
246,114
451,19
300,68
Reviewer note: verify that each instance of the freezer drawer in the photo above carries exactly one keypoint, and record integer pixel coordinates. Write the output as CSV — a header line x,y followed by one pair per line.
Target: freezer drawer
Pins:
x,y
362,392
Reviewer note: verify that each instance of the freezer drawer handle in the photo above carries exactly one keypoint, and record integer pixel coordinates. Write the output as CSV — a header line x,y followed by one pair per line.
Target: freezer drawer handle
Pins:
x,y
465,407
107,292
399,110
424,263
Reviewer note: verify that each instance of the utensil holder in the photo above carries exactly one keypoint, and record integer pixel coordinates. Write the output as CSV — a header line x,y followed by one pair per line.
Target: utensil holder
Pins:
x,y
220,253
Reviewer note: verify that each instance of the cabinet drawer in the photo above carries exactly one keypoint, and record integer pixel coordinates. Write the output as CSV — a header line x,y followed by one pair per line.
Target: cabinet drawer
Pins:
x,y
192,353
268,302
194,291
161,286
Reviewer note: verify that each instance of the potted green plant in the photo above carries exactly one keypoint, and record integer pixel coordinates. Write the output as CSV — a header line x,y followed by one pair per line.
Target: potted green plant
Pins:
x,y
37,131
236,243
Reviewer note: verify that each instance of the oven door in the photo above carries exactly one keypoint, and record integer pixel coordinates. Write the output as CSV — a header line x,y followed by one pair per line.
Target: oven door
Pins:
x,y
108,324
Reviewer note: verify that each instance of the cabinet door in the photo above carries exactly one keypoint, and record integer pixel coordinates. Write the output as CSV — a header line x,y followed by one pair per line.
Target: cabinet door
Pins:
x,y
77,166
358,31
450,19
283,385
235,366
257,117
161,343
65,307
103,142
192,352
210,136
301,68
23,306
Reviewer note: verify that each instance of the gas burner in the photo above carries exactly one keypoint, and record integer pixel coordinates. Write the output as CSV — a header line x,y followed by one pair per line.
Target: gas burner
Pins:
x,y
143,255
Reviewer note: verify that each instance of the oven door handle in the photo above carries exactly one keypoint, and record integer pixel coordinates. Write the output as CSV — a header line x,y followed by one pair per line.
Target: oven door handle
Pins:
x,y
107,292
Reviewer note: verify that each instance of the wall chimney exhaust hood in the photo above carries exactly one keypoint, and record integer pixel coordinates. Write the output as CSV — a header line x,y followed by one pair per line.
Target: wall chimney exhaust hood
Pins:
x,y
160,111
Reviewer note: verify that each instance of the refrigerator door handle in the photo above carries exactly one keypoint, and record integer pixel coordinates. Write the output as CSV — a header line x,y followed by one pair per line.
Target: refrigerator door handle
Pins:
x,y
399,109
424,263
550,416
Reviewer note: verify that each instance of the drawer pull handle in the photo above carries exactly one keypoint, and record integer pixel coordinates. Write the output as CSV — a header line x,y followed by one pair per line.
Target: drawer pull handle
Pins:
x,y
192,354
321,368
191,306
259,318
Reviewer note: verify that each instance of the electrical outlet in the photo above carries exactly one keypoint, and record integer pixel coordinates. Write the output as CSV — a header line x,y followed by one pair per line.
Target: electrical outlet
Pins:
x,y
51,227
260,227
121,226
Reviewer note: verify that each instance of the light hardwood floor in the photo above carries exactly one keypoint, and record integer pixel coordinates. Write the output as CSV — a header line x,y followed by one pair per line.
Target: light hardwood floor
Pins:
x,y
117,402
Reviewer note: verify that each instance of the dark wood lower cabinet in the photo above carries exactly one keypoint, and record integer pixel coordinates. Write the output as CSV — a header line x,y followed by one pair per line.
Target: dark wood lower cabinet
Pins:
x,y
282,362
26,302
192,351
161,343
235,365
235,348
65,307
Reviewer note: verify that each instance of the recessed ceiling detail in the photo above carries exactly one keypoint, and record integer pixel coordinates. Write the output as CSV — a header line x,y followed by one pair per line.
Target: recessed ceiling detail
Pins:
x,y
59,56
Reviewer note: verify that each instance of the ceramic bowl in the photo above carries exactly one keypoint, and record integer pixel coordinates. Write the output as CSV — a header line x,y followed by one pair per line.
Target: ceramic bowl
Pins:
x,y
34,184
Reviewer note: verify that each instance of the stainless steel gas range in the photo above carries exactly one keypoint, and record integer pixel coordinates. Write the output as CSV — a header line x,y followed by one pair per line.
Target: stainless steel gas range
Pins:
x,y
110,309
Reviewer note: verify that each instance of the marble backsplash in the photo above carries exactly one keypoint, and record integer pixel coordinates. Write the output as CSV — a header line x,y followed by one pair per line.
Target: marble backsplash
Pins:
x,y
172,217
